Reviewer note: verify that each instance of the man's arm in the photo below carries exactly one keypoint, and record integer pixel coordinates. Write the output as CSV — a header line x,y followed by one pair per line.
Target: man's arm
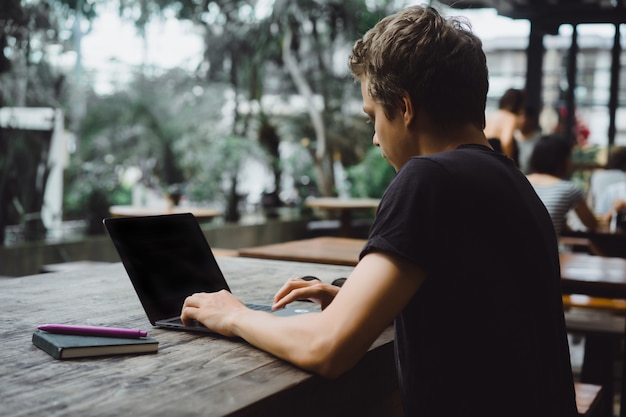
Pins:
x,y
506,134
329,342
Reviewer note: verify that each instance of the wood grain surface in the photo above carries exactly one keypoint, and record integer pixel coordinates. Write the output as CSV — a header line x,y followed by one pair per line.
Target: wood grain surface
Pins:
x,y
192,374
325,250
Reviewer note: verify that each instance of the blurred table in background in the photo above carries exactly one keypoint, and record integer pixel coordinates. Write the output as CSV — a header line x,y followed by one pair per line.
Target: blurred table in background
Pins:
x,y
200,213
70,266
324,250
598,276
601,242
345,207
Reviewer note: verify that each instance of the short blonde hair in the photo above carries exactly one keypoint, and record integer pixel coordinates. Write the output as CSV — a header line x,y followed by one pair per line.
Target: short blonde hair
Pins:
x,y
438,62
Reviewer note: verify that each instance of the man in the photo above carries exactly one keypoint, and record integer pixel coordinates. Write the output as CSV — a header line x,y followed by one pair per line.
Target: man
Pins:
x,y
462,254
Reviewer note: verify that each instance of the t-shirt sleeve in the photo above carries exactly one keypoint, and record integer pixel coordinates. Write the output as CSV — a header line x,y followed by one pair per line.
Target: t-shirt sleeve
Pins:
x,y
410,208
577,194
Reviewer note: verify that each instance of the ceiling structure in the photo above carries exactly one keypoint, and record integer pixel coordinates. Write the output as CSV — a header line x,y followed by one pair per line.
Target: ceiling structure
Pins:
x,y
545,17
551,12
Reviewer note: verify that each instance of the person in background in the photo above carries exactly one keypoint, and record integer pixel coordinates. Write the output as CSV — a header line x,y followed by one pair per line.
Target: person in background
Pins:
x,y
616,216
614,173
550,165
612,201
526,135
479,328
501,124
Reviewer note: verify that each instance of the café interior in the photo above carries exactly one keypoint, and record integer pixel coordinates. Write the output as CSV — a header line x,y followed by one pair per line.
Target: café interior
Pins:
x,y
245,381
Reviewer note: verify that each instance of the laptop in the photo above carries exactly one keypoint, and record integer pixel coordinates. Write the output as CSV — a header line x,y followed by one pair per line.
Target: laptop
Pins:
x,y
168,258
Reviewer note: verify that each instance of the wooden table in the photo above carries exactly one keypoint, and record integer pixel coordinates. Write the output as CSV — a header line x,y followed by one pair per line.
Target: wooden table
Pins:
x,y
602,242
135,211
325,250
191,375
597,276
345,207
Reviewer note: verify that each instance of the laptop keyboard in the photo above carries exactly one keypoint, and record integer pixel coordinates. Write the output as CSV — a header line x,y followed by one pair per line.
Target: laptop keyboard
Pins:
x,y
259,307
194,323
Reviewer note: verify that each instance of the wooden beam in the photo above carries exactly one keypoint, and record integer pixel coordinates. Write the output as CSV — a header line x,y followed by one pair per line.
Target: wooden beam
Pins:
x,y
616,53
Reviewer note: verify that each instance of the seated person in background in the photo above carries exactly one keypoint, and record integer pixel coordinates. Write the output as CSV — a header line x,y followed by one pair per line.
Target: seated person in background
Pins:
x,y
616,218
501,124
438,260
601,180
526,135
612,201
550,165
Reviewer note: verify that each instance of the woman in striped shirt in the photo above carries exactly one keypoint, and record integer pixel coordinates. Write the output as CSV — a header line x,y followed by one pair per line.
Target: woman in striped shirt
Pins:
x,y
550,165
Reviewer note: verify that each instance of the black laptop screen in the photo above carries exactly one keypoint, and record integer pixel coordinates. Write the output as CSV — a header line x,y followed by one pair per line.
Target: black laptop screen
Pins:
x,y
167,259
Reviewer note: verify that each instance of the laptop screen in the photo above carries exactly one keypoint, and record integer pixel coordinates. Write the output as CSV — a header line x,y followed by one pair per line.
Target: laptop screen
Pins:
x,y
167,259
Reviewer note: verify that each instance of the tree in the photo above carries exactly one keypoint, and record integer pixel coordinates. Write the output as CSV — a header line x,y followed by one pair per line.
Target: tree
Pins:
x,y
234,51
27,30
297,42
293,49
314,32
162,125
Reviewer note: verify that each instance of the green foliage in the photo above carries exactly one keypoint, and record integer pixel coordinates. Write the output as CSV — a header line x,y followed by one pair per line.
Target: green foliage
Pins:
x,y
90,189
370,178
28,27
244,48
163,126
585,154
173,127
584,160
223,161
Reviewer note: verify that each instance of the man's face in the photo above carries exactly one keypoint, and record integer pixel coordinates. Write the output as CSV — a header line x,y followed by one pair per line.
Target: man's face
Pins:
x,y
391,136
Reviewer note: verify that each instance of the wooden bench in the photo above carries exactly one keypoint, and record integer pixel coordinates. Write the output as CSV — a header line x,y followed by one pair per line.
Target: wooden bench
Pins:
x,y
588,399
615,306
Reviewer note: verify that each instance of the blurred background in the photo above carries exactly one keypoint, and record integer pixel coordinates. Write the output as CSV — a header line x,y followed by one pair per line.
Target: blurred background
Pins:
x,y
246,107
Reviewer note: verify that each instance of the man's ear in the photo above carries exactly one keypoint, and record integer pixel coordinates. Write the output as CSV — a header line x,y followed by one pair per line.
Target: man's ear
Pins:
x,y
408,113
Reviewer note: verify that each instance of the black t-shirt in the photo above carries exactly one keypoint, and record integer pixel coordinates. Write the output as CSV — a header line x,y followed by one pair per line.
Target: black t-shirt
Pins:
x,y
485,334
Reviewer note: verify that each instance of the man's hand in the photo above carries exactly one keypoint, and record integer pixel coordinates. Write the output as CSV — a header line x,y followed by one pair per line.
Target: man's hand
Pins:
x,y
299,289
213,310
